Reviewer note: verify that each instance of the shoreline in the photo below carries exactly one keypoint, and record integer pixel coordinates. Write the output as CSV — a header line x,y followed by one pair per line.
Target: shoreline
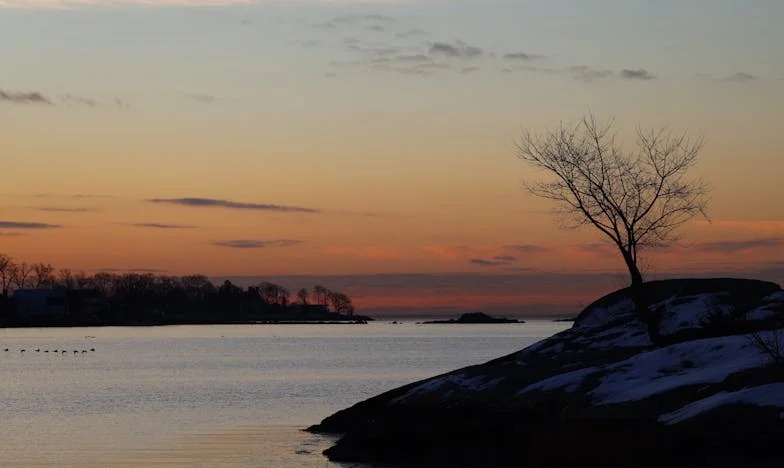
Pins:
x,y
359,320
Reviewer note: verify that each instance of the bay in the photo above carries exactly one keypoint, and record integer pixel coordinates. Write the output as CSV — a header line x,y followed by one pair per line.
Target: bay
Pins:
x,y
214,395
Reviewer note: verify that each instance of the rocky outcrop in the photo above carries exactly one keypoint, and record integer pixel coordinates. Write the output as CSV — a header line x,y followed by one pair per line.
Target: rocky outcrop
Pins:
x,y
600,393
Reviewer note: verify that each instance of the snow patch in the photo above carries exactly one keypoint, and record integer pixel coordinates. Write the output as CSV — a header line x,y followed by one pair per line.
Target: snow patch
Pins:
x,y
600,316
761,313
628,335
764,395
683,312
695,362
568,381
777,296
473,384
768,308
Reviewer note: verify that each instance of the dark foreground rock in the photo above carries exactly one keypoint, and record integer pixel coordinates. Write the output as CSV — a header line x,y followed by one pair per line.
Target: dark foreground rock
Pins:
x,y
475,318
600,393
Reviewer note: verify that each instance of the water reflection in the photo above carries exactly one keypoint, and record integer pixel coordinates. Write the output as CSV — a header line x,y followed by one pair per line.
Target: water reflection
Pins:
x,y
233,395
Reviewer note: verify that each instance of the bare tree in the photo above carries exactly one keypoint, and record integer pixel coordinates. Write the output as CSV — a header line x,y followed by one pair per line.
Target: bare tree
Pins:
x,y
65,279
105,283
302,295
82,280
635,198
274,294
341,303
321,295
770,342
6,263
20,274
43,275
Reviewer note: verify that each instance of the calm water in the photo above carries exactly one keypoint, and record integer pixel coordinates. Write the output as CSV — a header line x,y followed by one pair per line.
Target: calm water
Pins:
x,y
214,395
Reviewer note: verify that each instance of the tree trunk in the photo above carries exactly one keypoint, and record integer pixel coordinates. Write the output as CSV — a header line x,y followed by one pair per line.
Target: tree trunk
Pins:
x,y
651,319
634,271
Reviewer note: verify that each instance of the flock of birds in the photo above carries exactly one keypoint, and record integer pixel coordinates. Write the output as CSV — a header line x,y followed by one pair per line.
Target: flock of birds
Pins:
x,y
61,351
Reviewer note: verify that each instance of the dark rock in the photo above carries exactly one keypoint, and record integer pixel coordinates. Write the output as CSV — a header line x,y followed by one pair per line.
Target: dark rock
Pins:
x,y
598,394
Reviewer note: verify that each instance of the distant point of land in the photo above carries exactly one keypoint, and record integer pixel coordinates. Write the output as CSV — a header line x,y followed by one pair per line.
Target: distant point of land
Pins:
x,y
474,318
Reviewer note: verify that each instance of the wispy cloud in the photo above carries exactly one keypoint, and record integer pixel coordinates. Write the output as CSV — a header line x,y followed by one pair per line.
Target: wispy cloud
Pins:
x,y
147,3
734,246
22,97
586,73
305,43
26,225
413,32
523,56
483,262
498,260
203,98
72,100
67,100
737,78
182,3
217,203
457,49
255,244
64,209
372,22
162,226
740,77
73,196
638,74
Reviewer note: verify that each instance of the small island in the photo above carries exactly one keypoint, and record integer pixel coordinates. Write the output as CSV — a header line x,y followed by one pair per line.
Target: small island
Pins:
x,y
475,318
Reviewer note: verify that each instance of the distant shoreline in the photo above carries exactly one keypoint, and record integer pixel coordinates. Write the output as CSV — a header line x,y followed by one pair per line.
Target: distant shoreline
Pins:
x,y
343,320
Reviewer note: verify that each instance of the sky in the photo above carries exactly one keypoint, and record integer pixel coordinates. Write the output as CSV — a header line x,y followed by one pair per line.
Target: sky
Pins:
x,y
369,146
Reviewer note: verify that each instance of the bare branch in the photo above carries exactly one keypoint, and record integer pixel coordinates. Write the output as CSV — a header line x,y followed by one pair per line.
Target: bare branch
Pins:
x,y
635,199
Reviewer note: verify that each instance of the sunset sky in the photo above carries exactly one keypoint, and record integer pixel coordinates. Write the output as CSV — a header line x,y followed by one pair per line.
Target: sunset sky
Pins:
x,y
373,140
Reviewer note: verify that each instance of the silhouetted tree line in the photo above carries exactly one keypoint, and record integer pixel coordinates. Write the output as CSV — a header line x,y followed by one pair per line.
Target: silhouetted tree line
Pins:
x,y
146,298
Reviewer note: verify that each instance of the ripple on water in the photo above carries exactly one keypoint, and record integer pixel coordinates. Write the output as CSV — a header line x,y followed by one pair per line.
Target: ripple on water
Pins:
x,y
240,446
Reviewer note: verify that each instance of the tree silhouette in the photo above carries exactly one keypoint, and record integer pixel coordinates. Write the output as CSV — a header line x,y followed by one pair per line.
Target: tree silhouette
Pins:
x,y
341,303
635,198
321,295
6,263
43,275
20,274
302,295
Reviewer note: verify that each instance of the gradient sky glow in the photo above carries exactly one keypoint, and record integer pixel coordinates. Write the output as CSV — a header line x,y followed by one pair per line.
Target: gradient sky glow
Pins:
x,y
278,138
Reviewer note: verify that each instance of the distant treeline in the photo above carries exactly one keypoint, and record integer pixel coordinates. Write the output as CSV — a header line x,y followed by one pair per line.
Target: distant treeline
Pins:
x,y
35,294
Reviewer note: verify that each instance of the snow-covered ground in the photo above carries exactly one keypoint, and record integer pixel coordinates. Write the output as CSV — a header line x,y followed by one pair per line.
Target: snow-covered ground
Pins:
x,y
660,370
683,312
763,395
450,382
693,362
640,371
